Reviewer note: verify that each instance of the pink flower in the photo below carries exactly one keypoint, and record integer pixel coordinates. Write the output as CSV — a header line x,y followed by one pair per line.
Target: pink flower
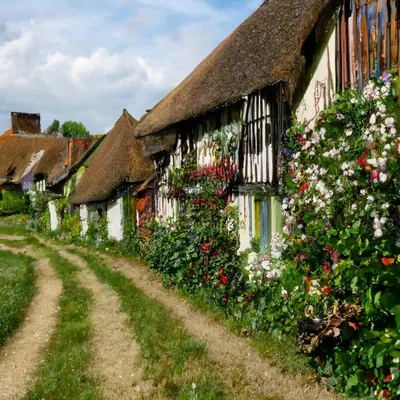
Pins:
x,y
375,175
327,267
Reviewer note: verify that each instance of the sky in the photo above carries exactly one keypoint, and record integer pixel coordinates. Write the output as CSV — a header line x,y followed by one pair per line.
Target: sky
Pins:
x,y
87,60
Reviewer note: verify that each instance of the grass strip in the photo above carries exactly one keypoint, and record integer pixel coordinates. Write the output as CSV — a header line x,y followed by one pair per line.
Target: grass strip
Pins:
x,y
13,229
281,351
64,373
176,363
17,286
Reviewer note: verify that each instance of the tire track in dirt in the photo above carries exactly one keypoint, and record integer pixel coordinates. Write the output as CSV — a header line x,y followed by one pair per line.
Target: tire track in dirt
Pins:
x,y
229,351
116,352
13,238
22,352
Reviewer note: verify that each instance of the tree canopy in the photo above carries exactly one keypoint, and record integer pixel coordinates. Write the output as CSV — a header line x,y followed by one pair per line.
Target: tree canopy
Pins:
x,y
74,129
54,127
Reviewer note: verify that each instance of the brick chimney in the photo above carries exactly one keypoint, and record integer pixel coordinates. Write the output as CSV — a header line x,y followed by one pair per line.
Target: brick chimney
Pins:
x,y
25,123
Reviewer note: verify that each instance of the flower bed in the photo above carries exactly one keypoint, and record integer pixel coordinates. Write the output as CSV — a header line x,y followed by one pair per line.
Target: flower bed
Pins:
x,y
342,257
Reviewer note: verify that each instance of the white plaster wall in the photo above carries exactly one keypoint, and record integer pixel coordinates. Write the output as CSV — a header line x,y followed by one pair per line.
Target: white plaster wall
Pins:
x,y
242,202
83,214
115,216
321,88
53,216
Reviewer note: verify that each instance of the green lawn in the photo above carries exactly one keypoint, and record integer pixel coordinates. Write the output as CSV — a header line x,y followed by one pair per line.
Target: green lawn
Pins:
x,y
17,286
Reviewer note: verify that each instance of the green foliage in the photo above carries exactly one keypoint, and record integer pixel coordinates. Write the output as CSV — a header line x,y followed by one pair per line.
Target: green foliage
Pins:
x,y
13,202
71,226
200,248
53,128
343,235
97,233
74,129
16,290
39,215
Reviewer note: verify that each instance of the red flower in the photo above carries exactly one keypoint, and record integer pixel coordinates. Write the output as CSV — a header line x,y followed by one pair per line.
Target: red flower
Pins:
x,y
388,378
385,393
326,290
387,261
221,272
362,161
215,254
308,281
335,255
301,256
327,267
225,298
375,174
303,188
224,280
354,326
205,246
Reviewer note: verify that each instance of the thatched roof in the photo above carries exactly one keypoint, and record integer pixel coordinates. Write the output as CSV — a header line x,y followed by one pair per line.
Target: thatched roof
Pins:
x,y
264,50
22,156
118,159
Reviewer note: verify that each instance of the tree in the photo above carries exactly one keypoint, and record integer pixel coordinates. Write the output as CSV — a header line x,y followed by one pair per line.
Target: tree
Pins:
x,y
74,129
54,127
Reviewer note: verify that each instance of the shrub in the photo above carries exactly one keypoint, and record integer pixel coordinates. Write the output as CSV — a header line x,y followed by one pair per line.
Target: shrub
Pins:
x,y
341,281
13,202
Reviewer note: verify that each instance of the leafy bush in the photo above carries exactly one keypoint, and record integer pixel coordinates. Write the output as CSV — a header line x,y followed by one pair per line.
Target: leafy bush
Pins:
x,y
39,215
13,202
200,248
97,233
342,253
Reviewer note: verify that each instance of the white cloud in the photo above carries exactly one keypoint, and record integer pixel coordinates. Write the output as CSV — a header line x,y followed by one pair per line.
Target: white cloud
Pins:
x,y
88,65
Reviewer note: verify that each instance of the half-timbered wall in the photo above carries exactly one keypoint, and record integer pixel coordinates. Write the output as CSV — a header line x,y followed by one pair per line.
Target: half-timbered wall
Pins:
x,y
367,41
258,122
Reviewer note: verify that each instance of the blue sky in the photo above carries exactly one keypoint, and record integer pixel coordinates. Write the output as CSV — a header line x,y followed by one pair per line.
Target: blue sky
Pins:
x,y
87,60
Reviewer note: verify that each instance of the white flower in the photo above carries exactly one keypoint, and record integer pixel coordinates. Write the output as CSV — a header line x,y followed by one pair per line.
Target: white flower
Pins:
x,y
284,292
326,154
383,220
382,163
349,132
372,120
353,100
387,146
389,122
363,192
194,386
266,265
370,199
378,233
322,133
333,152
300,226
354,207
383,177
385,206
